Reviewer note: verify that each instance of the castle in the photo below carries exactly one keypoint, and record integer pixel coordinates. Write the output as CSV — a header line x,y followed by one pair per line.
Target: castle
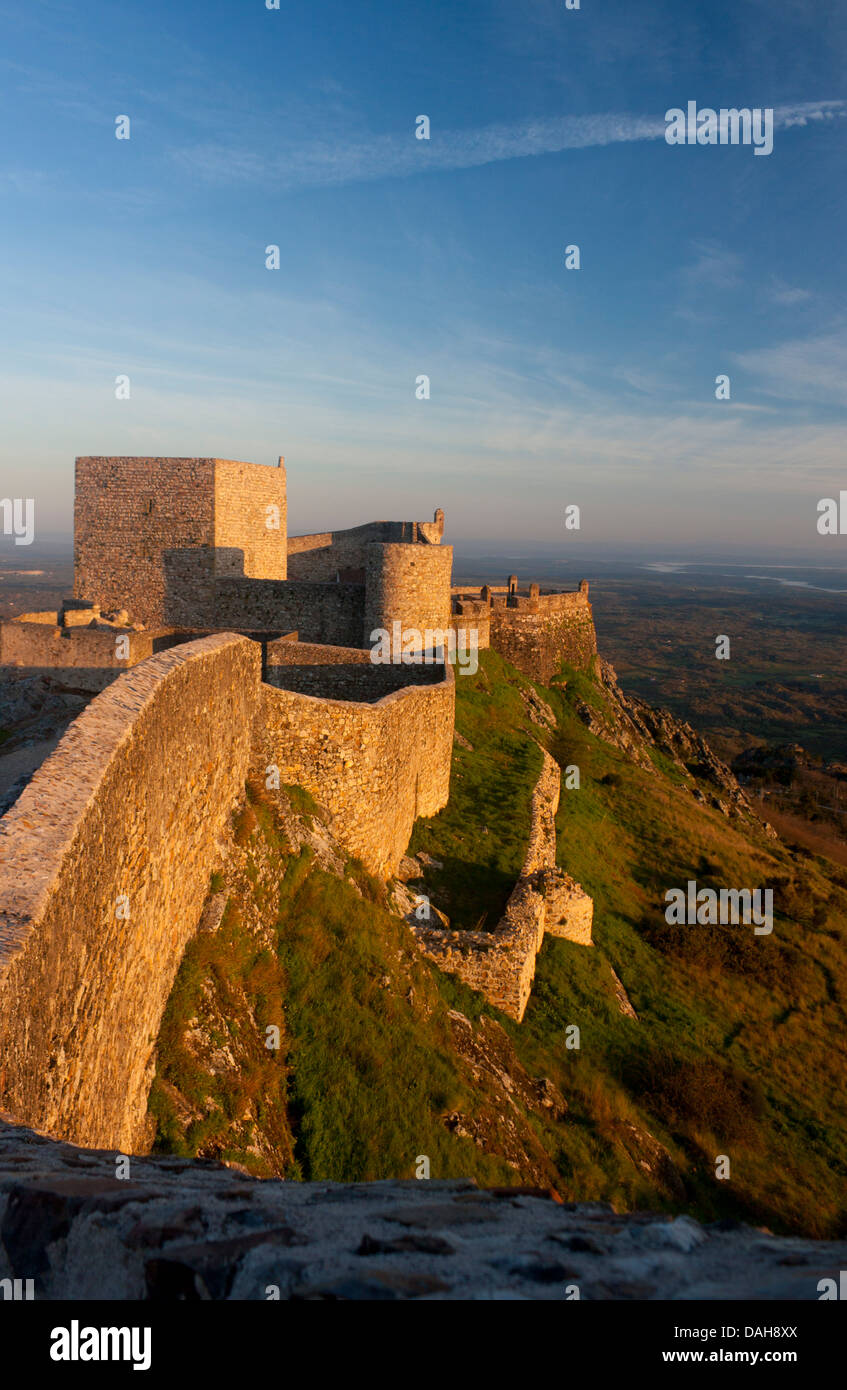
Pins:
x,y
218,647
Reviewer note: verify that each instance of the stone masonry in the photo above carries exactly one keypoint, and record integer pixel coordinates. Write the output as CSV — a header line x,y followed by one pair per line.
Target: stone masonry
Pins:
x,y
501,963
185,1229
152,534
104,868
105,857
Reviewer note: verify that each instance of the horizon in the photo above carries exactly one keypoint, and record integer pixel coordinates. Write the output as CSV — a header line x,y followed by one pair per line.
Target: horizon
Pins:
x,y
402,257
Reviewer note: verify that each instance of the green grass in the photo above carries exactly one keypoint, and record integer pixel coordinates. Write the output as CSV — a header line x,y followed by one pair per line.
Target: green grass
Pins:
x,y
370,1075
738,1049
480,837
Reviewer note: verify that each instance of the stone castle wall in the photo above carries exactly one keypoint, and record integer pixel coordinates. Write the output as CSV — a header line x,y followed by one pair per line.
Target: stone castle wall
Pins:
x,y
77,656
537,635
535,632
501,963
409,584
327,555
319,612
131,802
105,858
340,673
373,767
144,536
150,534
250,520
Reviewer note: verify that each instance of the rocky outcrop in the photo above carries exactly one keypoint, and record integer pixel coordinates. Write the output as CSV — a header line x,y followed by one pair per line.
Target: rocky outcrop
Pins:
x,y
633,726
510,1096
183,1229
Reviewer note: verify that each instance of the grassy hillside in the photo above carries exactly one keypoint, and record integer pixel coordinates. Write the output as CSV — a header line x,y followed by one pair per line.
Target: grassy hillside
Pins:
x,y
738,1049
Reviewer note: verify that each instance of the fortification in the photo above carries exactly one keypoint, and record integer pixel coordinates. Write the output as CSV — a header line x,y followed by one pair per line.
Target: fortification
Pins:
x,y
375,767
501,963
410,585
334,555
152,534
104,867
534,631
105,858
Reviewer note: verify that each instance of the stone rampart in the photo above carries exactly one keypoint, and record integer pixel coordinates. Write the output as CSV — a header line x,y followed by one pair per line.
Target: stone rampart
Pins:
x,y
373,767
84,657
104,867
330,555
409,584
535,632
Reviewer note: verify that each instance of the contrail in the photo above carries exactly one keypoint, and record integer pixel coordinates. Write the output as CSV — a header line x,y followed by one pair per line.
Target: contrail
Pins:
x,y
326,161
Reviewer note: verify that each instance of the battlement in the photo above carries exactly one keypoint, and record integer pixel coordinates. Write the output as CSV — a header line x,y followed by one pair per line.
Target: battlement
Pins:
x,y
536,630
249,655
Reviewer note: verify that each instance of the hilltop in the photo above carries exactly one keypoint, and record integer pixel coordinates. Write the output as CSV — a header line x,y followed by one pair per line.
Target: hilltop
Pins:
x,y
690,1037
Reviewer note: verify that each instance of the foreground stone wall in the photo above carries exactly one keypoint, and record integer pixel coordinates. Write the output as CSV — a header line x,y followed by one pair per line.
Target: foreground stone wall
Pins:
x,y
123,818
374,767
501,963
180,1229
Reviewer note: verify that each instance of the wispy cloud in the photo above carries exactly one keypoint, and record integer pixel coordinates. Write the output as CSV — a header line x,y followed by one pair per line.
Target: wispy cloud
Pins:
x,y
333,161
812,369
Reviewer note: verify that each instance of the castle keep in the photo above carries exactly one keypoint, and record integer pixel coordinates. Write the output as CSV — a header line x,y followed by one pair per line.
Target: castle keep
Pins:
x,y
220,648
202,544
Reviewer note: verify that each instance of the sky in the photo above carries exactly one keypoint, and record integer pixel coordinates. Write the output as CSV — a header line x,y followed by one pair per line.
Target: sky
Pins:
x,y
398,257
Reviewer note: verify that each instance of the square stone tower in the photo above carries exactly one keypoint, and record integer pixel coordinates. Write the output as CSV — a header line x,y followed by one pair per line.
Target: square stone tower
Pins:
x,y
151,535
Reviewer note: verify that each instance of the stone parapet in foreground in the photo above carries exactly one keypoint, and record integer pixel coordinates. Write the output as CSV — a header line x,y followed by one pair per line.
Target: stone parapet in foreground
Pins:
x,y
187,1229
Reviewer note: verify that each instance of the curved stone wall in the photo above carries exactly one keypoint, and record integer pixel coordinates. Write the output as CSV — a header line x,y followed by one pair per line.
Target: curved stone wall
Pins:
x,y
374,767
104,867
409,584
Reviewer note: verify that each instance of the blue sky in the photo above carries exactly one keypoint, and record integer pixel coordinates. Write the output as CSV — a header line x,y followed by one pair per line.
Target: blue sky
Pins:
x,y
402,257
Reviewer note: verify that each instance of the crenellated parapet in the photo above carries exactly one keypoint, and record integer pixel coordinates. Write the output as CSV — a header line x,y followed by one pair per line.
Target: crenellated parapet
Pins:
x,y
536,631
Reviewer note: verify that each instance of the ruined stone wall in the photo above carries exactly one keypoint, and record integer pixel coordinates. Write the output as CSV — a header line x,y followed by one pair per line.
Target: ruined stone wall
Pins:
x,y
501,964
537,635
250,520
132,802
373,767
409,584
330,613
340,673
